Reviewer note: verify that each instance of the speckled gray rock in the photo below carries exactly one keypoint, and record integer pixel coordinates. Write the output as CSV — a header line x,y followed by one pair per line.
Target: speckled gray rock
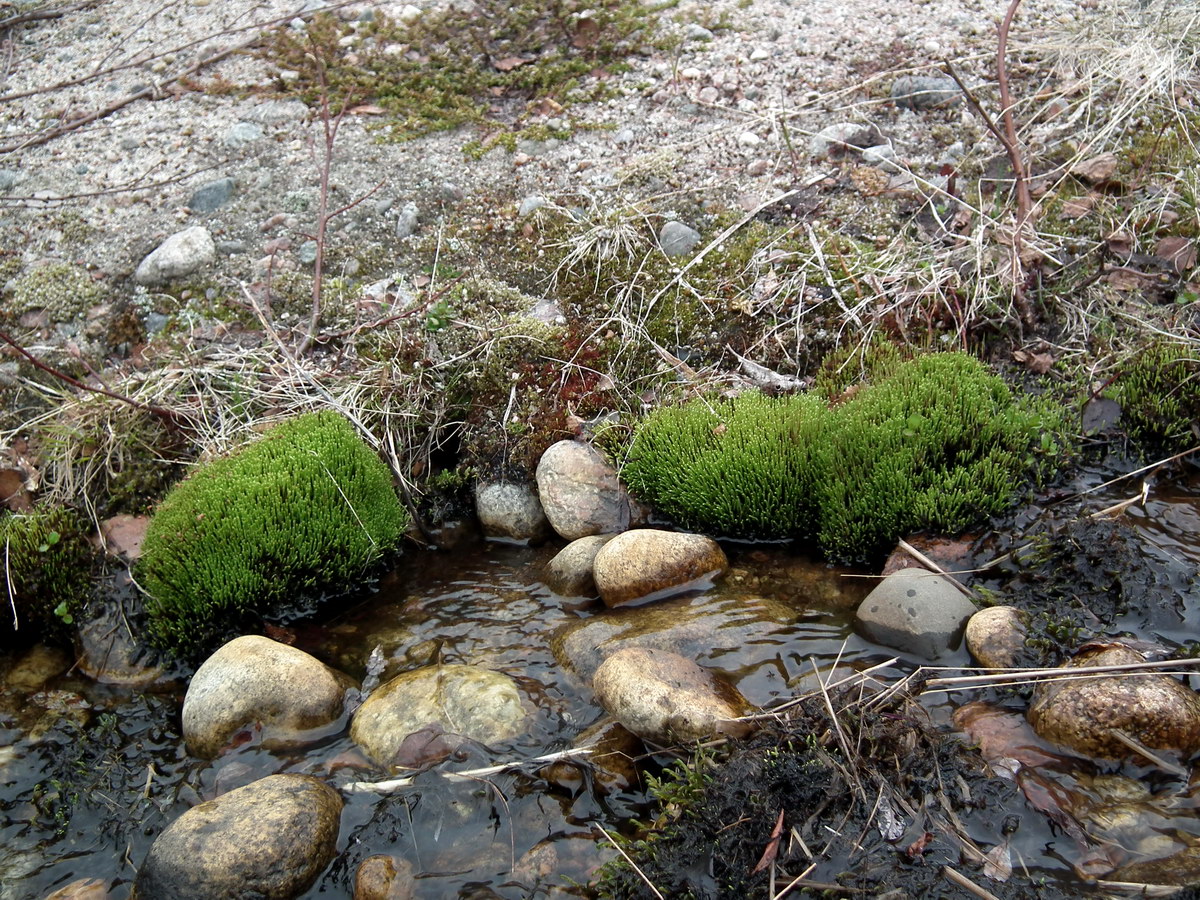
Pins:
x,y
580,491
650,563
241,134
664,698
476,703
212,196
268,840
407,221
253,679
677,239
843,137
510,511
570,572
925,91
179,255
915,611
531,204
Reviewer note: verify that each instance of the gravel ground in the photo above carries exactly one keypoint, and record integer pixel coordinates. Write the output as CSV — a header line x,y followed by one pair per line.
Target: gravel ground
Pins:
x,y
704,119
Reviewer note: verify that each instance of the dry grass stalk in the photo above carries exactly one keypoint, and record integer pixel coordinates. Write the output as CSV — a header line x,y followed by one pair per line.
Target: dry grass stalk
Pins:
x,y
395,784
967,884
1062,673
600,828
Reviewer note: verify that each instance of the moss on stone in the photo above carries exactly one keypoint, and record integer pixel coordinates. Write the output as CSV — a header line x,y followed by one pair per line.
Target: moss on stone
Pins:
x,y
307,508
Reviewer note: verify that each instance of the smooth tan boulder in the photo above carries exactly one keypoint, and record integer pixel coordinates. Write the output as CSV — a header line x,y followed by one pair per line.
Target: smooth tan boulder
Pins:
x,y
475,703
648,564
1157,710
996,637
253,680
580,491
269,840
664,698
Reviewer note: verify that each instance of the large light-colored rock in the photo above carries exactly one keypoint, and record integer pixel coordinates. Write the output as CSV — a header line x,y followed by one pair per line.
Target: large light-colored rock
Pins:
x,y
915,611
269,840
648,563
510,511
255,680
1157,710
705,627
580,491
570,572
476,703
179,255
664,698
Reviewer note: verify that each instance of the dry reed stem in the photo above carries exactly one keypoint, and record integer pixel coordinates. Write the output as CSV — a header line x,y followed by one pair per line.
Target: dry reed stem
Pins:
x,y
395,784
650,884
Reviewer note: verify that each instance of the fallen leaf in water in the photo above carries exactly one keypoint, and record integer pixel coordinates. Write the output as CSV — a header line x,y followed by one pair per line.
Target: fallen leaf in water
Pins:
x,y
997,863
426,747
1005,740
123,535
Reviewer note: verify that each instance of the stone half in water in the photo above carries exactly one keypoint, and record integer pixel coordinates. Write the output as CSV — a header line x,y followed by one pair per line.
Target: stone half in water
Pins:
x,y
1086,714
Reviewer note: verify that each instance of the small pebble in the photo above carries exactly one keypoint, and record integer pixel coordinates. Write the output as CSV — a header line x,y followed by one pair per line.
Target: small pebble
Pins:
x,y
694,32
758,167
749,139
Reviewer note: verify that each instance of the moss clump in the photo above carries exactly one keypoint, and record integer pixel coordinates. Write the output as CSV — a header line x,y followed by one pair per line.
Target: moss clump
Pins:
x,y
306,508
65,291
744,467
1159,393
45,567
935,442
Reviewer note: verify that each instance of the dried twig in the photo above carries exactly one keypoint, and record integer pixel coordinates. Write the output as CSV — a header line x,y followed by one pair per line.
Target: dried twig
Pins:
x,y
967,884
933,566
1060,673
393,784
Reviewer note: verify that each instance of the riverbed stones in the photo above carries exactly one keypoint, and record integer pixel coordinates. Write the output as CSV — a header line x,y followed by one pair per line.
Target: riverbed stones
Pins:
x,y
580,491
510,511
648,563
925,91
269,839
470,701
182,254
383,877
915,611
570,572
1158,711
255,681
705,627
996,637
664,698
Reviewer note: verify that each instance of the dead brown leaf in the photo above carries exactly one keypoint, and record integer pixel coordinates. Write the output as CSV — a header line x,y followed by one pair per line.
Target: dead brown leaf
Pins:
x,y
772,849
1123,278
1041,363
1178,251
1097,170
12,490
587,32
1078,207
367,109
509,63
1005,740
997,863
123,535
1120,243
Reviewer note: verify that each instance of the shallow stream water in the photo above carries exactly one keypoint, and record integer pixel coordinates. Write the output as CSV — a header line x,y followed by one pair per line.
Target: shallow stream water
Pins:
x,y
89,774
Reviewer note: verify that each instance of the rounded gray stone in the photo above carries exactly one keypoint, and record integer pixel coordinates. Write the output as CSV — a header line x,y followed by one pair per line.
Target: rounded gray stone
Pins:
x,y
179,255
570,572
677,239
915,611
212,196
580,491
510,511
925,91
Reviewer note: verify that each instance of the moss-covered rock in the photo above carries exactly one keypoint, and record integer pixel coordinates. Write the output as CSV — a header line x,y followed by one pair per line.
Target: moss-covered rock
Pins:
x,y
309,507
932,442
45,560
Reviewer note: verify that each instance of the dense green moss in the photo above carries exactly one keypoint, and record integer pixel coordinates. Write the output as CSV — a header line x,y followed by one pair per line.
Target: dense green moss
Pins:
x,y
933,442
744,467
45,562
306,508
1159,393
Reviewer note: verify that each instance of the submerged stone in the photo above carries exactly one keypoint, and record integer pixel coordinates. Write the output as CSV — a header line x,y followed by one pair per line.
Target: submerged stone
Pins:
x,y
269,840
649,563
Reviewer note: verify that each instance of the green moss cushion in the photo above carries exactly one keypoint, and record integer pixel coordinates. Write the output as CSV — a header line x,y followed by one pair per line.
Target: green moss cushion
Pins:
x,y
306,508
